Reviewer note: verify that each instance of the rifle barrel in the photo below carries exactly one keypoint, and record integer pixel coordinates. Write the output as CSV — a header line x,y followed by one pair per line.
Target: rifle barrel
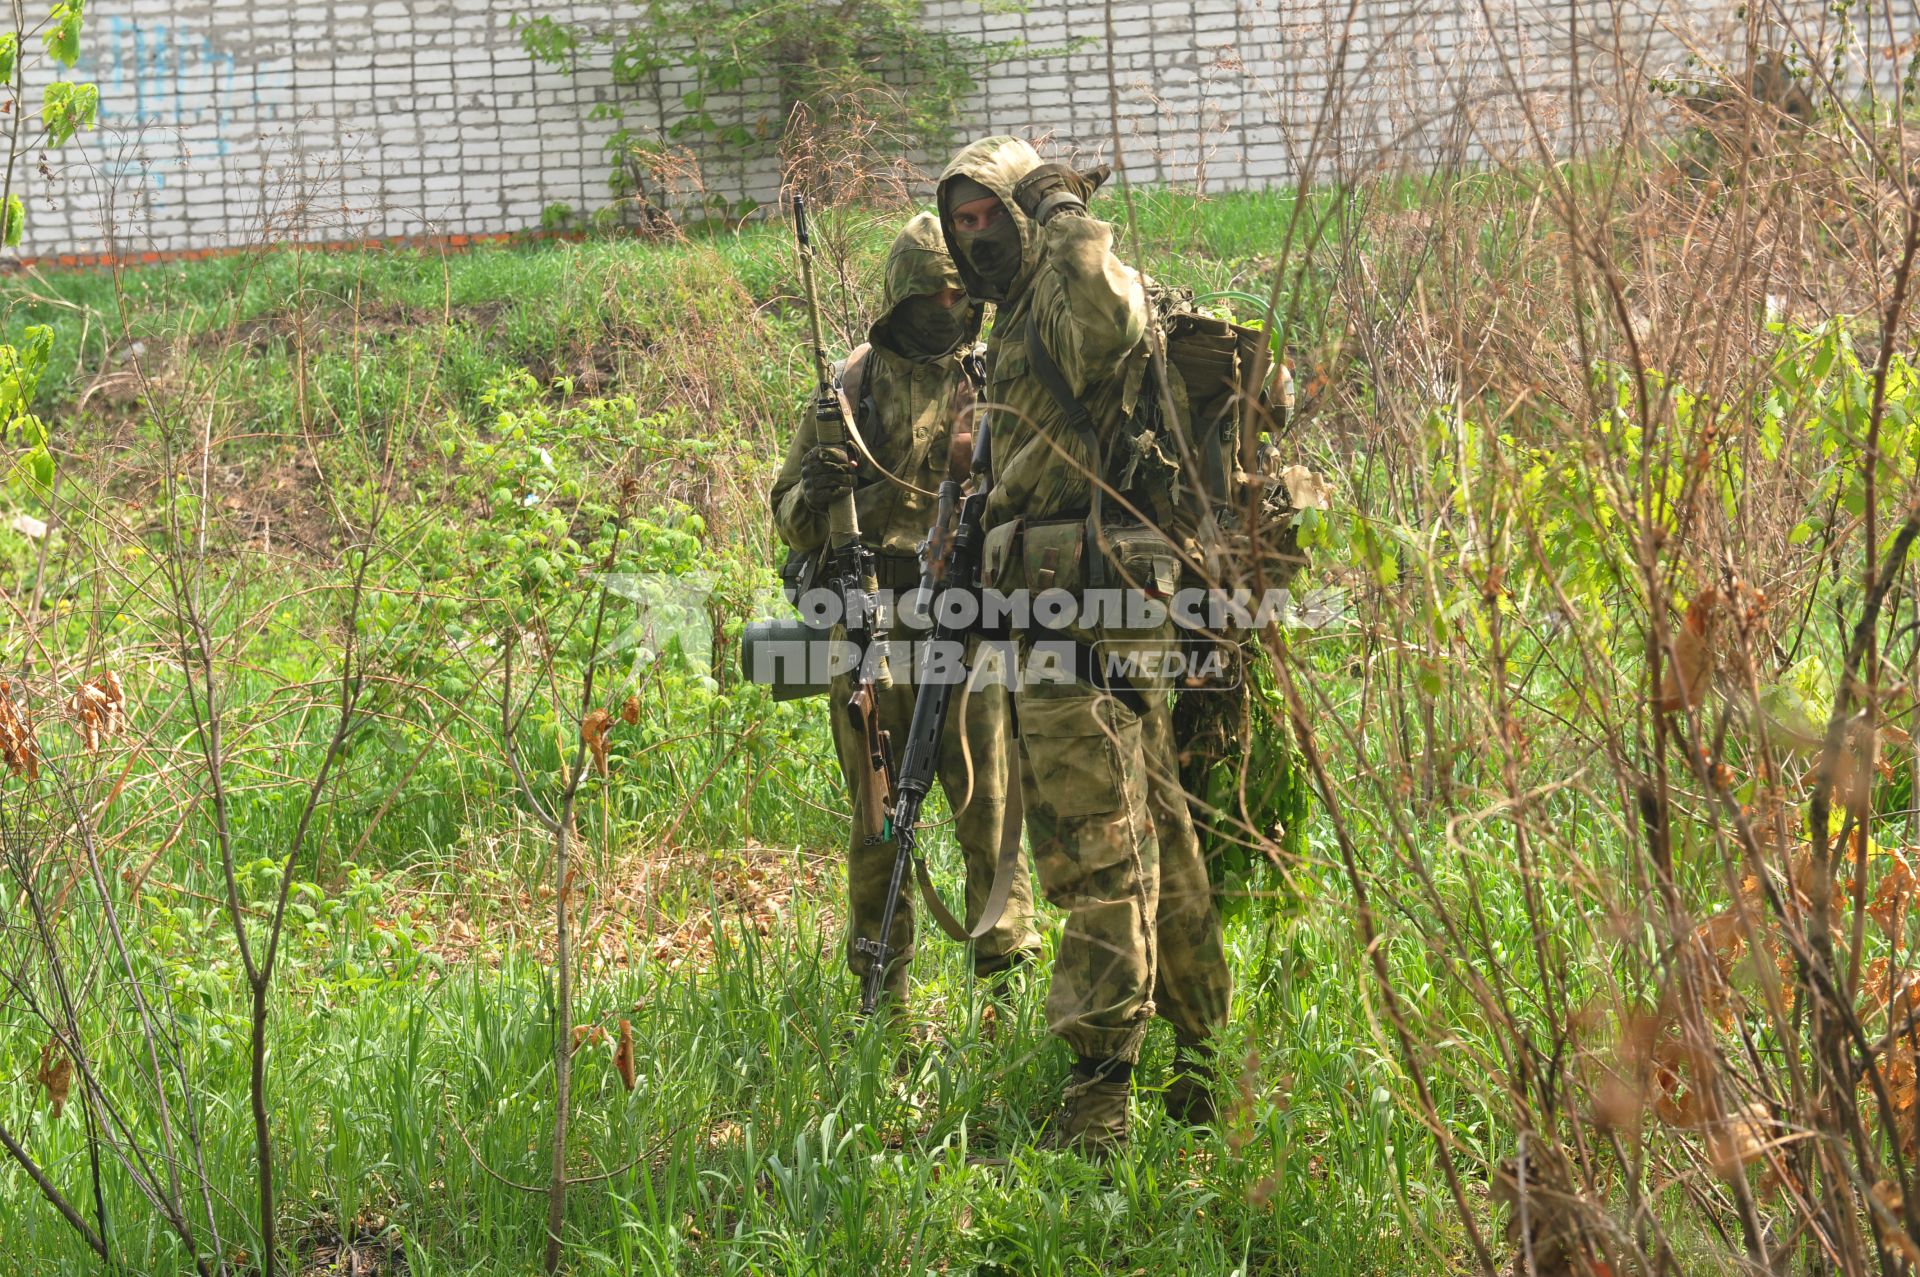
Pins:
x,y
843,519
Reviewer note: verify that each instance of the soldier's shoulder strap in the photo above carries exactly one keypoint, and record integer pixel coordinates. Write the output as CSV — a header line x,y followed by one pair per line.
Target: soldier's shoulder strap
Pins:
x,y
853,375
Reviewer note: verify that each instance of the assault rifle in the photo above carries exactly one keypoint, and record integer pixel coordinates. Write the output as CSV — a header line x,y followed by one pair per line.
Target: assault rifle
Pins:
x,y
850,571
950,562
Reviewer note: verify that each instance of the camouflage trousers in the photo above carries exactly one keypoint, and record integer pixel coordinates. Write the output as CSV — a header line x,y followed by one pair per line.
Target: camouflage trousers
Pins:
x,y
975,770
1112,835
1114,845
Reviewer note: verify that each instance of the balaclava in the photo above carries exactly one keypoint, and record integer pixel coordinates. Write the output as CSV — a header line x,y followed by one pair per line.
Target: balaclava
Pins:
x,y
923,329
913,324
995,252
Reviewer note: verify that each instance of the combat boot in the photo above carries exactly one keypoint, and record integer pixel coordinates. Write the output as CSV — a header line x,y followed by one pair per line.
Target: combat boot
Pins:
x,y
1189,1094
1094,1119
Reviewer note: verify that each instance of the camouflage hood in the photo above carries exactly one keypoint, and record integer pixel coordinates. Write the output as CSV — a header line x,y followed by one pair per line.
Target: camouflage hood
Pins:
x,y
918,266
996,163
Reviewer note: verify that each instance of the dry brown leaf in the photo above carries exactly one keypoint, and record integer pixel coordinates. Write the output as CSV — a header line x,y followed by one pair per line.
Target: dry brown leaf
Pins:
x,y
1616,1104
1891,898
55,1074
1777,1179
587,1035
593,730
1307,490
1556,1234
623,1056
1739,1139
1723,937
1722,941
100,708
1889,740
17,747
1897,1076
630,711
1678,1104
1887,1193
1690,672
1897,1072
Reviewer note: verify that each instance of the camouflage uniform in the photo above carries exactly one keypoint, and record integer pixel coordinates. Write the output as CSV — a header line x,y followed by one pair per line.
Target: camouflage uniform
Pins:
x,y
1112,837
907,412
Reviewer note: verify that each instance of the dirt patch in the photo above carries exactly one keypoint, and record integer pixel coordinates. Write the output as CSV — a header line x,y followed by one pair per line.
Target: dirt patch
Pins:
x,y
595,367
113,400
592,372
334,325
366,1249
482,317
754,890
275,506
330,324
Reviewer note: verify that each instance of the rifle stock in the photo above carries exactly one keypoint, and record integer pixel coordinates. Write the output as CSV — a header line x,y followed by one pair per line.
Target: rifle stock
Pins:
x,y
829,409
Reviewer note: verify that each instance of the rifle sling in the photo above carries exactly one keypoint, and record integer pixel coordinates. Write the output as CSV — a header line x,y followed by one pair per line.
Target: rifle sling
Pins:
x,y
1087,669
849,419
1004,871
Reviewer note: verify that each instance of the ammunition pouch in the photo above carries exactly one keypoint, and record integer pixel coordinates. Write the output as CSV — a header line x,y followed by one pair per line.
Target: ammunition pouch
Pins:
x,y
1057,554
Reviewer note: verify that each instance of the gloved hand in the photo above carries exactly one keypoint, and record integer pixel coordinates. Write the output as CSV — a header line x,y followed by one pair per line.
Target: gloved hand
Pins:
x,y
1052,187
826,474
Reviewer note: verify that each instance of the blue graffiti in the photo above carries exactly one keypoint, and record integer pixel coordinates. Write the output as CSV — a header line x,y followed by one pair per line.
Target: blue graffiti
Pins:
x,y
155,76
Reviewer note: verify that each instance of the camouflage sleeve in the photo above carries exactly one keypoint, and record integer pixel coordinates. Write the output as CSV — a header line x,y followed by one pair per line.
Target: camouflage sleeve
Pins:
x,y
798,524
1091,306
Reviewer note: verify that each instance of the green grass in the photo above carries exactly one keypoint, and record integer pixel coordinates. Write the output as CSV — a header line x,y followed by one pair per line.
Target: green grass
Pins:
x,y
768,1133
530,305
772,1135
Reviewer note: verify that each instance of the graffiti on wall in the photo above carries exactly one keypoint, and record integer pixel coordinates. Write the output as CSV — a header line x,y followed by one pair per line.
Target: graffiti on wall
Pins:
x,y
161,80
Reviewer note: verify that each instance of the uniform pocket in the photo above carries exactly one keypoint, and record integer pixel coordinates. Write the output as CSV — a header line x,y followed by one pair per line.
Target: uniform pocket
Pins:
x,y
1005,366
996,548
1052,552
1144,559
1080,749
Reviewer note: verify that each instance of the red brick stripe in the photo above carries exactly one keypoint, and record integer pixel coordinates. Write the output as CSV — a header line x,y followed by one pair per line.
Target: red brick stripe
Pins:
x,y
94,261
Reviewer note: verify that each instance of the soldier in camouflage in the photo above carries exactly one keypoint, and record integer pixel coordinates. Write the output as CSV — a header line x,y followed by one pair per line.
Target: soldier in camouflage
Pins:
x,y
1112,837
912,395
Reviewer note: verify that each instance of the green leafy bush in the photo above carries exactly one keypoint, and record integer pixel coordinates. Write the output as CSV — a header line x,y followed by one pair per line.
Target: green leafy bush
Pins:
x,y
874,79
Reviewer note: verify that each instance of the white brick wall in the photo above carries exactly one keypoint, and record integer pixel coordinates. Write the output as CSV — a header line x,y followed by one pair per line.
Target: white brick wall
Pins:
x,y
225,124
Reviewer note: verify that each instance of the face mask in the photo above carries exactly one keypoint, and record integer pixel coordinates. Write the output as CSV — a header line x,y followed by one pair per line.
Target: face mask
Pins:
x,y
924,329
994,253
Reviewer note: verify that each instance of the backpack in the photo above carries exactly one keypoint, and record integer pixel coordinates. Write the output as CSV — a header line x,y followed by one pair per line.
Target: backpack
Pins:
x,y
1198,475
1182,455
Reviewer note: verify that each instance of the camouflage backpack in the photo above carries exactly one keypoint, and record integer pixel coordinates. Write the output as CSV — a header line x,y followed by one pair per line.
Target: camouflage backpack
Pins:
x,y
1184,456
1198,455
